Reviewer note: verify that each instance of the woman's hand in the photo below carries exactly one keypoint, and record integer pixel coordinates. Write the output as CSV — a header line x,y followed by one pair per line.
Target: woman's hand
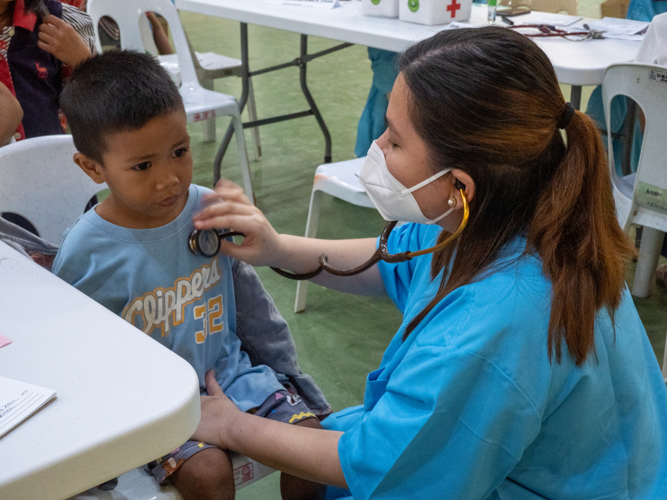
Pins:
x,y
62,41
217,414
229,207
301,451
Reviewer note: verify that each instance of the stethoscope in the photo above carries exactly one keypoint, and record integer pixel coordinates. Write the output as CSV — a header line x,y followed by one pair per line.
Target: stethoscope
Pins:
x,y
207,242
545,30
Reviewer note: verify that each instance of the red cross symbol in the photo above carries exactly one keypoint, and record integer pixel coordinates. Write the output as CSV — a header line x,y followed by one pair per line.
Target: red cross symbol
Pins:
x,y
453,8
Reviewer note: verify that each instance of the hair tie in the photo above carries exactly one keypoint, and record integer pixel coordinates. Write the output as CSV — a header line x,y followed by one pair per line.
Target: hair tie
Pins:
x,y
566,117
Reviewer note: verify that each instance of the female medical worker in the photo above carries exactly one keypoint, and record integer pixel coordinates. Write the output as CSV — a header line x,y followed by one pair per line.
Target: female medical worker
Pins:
x,y
521,370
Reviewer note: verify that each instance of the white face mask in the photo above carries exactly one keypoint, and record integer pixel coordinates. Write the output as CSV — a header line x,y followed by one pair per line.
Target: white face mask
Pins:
x,y
391,198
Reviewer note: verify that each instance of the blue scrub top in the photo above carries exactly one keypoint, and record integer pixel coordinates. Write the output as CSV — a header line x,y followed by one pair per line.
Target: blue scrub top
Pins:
x,y
469,406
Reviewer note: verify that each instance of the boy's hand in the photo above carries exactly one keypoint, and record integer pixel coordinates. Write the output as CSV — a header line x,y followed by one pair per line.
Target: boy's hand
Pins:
x,y
62,41
217,413
229,207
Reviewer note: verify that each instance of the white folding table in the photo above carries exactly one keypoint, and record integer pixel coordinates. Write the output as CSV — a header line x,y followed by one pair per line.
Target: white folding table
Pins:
x,y
576,63
122,398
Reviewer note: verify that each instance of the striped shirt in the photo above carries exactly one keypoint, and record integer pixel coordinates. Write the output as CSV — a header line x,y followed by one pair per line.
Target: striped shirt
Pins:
x,y
79,20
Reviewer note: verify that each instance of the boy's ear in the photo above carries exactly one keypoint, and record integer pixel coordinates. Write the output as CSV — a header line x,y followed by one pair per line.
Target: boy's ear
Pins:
x,y
92,169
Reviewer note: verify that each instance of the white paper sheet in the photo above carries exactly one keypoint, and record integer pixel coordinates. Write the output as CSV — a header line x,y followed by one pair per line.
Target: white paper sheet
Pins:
x,y
621,29
19,401
312,4
545,18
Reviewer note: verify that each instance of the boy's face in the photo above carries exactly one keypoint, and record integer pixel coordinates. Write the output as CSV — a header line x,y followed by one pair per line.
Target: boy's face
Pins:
x,y
148,172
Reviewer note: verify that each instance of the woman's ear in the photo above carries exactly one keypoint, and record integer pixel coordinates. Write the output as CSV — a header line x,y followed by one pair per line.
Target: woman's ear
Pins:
x,y
466,180
92,169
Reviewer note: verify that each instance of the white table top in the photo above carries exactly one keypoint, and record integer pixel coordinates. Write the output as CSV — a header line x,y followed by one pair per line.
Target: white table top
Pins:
x,y
576,63
122,398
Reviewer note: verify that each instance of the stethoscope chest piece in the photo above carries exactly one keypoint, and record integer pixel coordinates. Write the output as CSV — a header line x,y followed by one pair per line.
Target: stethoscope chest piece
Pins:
x,y
204,242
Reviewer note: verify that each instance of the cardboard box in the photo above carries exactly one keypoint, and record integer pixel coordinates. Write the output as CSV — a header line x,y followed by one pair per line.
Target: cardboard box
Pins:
x,y
614,8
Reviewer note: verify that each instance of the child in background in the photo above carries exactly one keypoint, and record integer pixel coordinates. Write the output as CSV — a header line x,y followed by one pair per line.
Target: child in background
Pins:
x,y
40,41
131,254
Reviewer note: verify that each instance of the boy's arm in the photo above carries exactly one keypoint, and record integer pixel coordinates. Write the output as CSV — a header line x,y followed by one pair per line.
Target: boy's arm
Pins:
x,y
83,263
261,329
266,337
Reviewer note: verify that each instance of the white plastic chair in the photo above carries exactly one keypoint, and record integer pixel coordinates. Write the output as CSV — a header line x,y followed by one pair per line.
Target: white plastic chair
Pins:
x,y
209,66
641,198
140,485
40,182
341,180
200,103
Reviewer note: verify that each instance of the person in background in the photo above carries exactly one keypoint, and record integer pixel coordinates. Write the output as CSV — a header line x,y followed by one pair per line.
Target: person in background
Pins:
x,y
110,33
638,10
522,369
11,115
371,124
40,42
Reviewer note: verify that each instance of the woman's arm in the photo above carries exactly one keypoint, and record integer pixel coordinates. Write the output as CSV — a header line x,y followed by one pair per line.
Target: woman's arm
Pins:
x,y
301,451
263,246
11,113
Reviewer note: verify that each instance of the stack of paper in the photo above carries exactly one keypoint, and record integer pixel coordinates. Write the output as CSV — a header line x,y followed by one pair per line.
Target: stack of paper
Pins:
x,y
621,29
317,4
558,20
18,401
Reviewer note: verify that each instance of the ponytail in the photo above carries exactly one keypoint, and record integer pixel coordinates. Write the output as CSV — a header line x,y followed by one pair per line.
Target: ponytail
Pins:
x,y
582,247
487,101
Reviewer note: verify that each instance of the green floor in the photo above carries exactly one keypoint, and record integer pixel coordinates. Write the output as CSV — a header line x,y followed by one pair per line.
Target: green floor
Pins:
x,y
340,338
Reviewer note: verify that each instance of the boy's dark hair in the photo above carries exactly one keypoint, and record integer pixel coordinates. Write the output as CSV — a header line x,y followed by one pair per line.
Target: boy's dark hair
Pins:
x,y
116,91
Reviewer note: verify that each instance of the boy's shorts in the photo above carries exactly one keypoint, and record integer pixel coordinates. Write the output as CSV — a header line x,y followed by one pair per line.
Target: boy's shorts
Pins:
x,y
281,406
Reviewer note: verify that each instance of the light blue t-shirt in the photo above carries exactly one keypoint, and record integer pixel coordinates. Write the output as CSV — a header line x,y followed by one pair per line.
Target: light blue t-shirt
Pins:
x,y
470,407
185,302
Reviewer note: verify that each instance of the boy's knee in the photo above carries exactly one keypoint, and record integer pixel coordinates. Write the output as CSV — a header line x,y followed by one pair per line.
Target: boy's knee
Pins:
x,y
206,475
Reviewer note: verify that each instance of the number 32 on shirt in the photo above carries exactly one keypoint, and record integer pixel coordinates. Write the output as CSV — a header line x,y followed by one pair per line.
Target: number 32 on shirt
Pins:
x,y
210,312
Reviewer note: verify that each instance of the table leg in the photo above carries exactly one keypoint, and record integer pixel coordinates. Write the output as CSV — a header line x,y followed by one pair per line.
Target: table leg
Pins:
x,y
246,74
311,101
575,96
245,79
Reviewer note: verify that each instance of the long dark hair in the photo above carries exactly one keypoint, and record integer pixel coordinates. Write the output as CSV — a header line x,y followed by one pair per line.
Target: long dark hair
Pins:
x,y
487,101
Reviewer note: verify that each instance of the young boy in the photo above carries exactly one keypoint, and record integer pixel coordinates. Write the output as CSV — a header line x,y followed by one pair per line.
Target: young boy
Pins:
x,y
130,253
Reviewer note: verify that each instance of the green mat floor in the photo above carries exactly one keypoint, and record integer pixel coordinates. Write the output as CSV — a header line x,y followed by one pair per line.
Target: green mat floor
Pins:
x,y
340,338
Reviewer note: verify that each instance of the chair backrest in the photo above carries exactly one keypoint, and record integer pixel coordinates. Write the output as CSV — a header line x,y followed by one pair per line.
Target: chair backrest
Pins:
x,y
554,6
40,182
130,14
646,84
